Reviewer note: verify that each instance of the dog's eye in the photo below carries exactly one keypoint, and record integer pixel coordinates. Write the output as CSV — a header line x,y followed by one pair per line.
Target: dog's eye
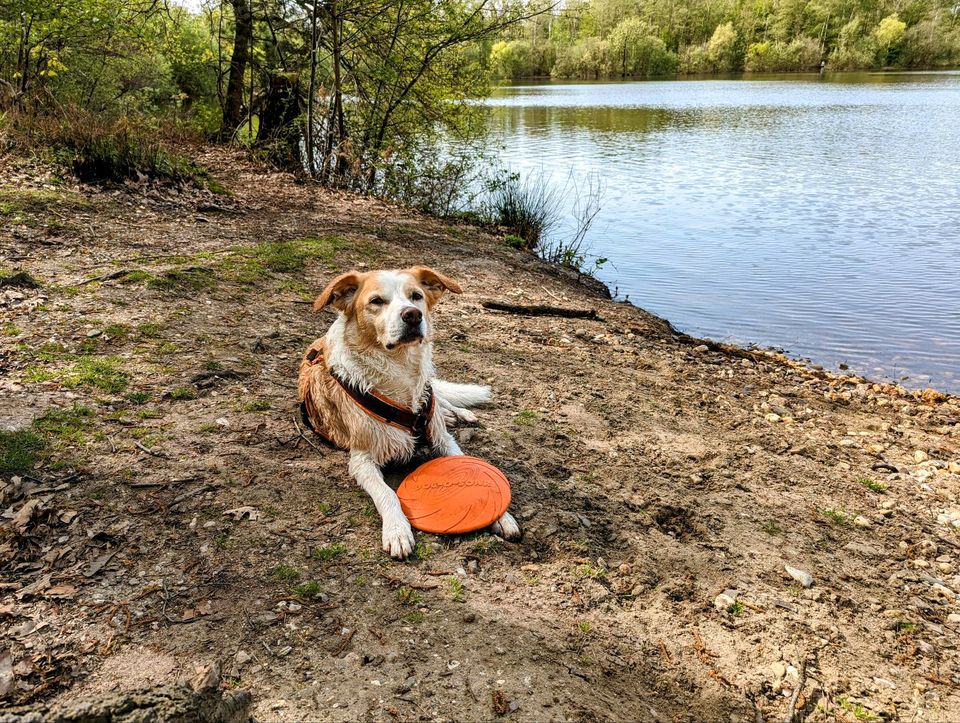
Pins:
x,y
377,301
416,296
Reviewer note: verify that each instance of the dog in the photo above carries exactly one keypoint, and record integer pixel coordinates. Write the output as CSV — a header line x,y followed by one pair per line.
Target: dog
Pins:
x,y
368,385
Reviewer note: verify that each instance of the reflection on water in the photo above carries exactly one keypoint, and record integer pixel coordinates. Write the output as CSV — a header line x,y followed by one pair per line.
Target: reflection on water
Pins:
x,y
817,215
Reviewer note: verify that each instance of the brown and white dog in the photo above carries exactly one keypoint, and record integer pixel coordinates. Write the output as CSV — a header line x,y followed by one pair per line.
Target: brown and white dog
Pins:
x,y
381,346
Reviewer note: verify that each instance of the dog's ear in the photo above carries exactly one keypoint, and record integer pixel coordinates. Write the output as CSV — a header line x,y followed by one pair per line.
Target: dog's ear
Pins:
x,y
434,283
339,292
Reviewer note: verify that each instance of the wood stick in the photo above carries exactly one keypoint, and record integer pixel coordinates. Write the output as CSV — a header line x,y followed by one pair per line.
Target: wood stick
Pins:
x,y
540,310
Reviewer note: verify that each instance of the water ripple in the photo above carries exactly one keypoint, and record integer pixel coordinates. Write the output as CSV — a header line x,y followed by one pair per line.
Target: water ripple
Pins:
x,y
818,216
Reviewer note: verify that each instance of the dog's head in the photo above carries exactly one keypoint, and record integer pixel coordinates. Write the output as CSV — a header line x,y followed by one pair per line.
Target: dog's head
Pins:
x,y
388,308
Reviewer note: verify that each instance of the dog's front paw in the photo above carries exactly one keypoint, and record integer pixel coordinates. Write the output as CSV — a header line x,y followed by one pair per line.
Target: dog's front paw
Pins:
x,y
398,540
507,527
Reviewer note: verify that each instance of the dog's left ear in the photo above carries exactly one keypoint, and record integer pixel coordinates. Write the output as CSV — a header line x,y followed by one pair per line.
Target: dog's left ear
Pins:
x,y
434,283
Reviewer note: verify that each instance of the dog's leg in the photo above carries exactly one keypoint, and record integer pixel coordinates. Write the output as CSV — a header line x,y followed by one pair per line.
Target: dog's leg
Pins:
x,y
507,526
453,414
398,538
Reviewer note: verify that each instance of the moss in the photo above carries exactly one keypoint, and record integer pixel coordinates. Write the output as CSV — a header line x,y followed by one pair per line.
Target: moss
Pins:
x,y
19,451
257,405
306,590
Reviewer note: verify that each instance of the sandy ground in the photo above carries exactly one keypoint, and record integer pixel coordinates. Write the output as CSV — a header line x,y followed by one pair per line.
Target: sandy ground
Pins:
x,y
176,517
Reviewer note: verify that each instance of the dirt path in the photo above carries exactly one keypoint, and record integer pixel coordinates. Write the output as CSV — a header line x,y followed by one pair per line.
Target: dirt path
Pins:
x,y
174,516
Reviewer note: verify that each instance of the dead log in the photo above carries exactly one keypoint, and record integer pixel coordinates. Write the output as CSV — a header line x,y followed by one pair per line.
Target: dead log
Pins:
x,y
541,310
171,703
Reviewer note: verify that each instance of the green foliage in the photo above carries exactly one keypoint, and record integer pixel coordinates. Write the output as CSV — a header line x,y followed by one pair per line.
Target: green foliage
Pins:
x,y
625,38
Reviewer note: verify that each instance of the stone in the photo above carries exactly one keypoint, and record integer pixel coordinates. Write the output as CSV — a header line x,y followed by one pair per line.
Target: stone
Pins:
x,y
920,456
242,657
725,600
801,576
861,521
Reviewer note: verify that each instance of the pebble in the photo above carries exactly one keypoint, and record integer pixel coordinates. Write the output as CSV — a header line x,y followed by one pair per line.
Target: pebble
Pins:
x,y
953,618
469,618
801,576
242,657
725,600
701,348
861,521
920,456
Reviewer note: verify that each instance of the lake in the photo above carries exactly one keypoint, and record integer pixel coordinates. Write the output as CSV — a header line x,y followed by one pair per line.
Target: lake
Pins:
x,y
817,215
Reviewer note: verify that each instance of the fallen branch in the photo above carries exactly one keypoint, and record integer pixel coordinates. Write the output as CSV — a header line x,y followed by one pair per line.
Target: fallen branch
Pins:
x,y
541,310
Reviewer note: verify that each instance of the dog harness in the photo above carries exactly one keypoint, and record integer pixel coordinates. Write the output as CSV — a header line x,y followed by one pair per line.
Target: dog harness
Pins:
x,y
376,405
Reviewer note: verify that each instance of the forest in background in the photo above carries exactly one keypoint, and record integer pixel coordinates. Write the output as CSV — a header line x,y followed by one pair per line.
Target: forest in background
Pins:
x,y
382,96
593,39
355,93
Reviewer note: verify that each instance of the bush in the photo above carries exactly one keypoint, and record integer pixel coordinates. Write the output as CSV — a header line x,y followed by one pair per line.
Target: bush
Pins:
x,y
99,150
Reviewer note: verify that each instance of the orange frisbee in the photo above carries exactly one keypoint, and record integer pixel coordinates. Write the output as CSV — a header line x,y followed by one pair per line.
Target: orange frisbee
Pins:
x,y
454,495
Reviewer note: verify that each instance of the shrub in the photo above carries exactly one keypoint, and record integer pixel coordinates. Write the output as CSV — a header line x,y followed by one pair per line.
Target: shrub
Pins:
x,y
528,208
99,150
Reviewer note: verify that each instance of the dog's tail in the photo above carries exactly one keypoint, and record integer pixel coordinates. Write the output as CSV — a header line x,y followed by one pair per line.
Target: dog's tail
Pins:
x,y
462,395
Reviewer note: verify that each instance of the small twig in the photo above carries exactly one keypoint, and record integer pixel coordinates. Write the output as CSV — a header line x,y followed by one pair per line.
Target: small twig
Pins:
x,y
192,493
792,706
304,437
149,451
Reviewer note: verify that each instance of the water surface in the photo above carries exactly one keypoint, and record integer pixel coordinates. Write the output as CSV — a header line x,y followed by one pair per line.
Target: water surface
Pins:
x,y
818,215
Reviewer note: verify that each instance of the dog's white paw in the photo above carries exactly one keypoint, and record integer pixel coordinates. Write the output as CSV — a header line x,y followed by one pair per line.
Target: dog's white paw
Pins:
x,y
507,527
465,415
398,540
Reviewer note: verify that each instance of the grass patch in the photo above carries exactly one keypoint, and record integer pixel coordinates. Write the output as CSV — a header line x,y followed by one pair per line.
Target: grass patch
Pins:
x,y
149,330
248,265
285,573
9,329
257,405
104,373
837,517
287,257
138,398
456,588
525,418
771,528
408,596
191,278
872,485
329,552
591,571
307,590
19,451
183,393
584,627
65,426
856,709
485,544
736,610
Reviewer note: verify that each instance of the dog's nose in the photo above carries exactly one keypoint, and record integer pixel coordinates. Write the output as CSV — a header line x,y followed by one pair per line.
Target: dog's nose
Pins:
x,y
412,315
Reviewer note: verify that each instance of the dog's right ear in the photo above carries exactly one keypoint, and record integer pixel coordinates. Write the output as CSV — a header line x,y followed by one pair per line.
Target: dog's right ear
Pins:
x,y
339,292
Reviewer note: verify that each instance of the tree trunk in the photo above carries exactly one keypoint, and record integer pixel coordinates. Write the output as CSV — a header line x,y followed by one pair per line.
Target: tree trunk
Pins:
x,y
242,37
